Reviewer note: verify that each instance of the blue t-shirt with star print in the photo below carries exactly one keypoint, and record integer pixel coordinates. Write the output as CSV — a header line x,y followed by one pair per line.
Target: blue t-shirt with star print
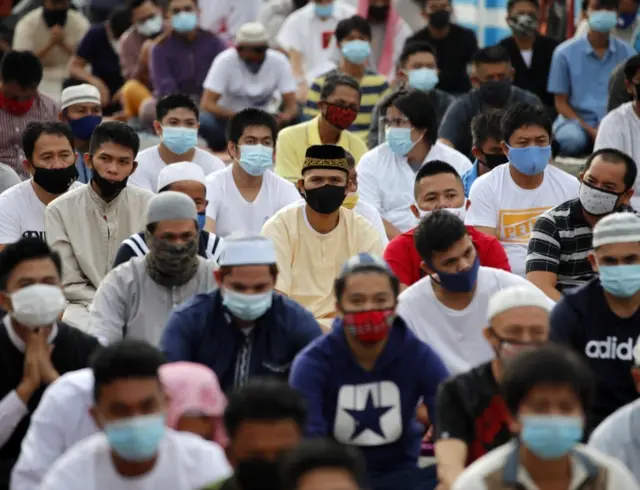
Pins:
x,y
372,410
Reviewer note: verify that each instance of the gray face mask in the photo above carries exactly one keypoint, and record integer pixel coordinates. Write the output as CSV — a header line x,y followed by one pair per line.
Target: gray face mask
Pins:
x,y
169,264
523,24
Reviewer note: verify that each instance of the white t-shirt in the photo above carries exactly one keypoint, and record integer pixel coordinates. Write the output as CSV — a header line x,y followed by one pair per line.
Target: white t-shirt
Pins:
x,y
233,214
22,213
386,180
372,215
241,89
620,129
455,335
527,56
310,35
185,461
150,164
498,202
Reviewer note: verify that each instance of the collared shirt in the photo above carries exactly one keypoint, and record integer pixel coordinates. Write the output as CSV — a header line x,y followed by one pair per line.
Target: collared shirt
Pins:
x,y
293,142
577,71
469,177
11,127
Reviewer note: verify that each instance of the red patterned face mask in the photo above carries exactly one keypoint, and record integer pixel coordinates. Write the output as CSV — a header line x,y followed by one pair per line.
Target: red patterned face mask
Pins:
x,y
15,107
339,116
371,326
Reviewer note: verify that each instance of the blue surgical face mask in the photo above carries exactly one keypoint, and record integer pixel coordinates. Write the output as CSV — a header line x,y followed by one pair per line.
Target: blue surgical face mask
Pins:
x,y
324,11
179,140
530,160
424,79
83,128
247,307
400,141
356,51
551,436
184,22
256,159
459,282
603,20
623,281
202,219
137,438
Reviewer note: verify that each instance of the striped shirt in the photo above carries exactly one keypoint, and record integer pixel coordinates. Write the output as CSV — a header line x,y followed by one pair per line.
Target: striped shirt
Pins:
x,y
373,86
11,127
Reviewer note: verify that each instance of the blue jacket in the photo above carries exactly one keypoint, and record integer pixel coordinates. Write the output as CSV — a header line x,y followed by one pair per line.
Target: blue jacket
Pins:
x,y
201,331
469,177
373,410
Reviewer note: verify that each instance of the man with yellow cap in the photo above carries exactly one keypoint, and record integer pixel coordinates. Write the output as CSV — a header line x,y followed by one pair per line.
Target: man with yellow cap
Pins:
x,y
314,239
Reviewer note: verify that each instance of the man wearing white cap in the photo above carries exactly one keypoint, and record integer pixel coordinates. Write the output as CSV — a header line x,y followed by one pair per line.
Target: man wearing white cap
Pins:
x,y
471,413
136,298
187,178
248,75
82,111
601,319
245,328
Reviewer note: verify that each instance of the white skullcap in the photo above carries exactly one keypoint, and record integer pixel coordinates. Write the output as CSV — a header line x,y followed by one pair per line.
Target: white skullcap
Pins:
x,y
516,297
169,206
256,250
80,94
178,172
252,33
617,228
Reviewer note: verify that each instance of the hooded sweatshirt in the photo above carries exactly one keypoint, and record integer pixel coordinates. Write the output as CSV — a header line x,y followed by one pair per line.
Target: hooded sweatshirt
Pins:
x,y
373,410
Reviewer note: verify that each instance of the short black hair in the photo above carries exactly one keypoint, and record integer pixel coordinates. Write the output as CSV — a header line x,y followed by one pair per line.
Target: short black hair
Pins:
x,y
315,454
351,162
134,4
435,167
353,23
611,155
390,98
551,364
413,47
340,283
631,67
35,129
521,115
175,101
333,82
437,232
264,400
486,125
129,358
250,117
608,4
418,108
114,132
22,67
491,54
25,249
512,3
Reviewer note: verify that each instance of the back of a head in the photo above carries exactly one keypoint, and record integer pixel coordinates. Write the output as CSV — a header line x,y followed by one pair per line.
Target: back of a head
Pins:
x,y
115,132
489,55
335,81
264,400
486,125
437,232
22,67
523,115
245,118
418,108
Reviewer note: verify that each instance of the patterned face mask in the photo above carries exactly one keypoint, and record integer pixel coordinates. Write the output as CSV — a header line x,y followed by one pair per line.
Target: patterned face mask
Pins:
x,y
169,264
339,116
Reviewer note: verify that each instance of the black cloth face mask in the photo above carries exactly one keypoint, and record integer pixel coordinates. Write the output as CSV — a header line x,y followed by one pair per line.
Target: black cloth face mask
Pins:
x,y
54,17
55,180
326,199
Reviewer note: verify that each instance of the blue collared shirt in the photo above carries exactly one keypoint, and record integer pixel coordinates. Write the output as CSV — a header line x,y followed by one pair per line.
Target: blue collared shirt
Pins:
x,y
577,71
469,177
84,172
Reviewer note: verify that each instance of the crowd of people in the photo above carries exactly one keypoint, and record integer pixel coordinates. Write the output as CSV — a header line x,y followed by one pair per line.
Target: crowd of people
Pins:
x,y
318,246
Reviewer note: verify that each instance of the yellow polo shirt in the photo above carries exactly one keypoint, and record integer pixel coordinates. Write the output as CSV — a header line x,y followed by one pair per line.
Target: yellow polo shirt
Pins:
x,y
293,142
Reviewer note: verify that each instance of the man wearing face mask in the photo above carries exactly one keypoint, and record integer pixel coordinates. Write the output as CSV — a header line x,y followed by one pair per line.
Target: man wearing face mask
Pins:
x,y
250,76
455,294
371,365
113,211
177,124
579,80
82,111
135,299
247,192
49,160
438,186
245,328
506,202
558,251
34,345
493,78
187,178
314,238
134,448
601,319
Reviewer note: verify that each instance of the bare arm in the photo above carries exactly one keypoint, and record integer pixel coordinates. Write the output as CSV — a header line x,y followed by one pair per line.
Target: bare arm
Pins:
x,y
546,281
487,230
391,230
290,105
451,455
210,104
210,225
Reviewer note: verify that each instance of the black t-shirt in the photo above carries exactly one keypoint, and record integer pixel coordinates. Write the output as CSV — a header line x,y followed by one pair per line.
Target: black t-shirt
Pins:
x,y
583,320
453,53
469,407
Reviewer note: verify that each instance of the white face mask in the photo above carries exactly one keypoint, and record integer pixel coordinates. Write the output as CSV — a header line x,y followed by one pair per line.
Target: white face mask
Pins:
x,y
596,201
38,305
460,212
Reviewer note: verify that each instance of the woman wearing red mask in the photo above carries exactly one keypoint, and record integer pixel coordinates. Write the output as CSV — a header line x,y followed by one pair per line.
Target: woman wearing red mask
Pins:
x,y
364,380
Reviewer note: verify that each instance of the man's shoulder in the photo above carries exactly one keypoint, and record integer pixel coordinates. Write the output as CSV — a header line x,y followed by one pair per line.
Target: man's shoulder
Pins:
x,y
14,192
573,45
294,131
615,428
463,31
378,155
69,198
81,453
32,17
78,19
473,476
138,193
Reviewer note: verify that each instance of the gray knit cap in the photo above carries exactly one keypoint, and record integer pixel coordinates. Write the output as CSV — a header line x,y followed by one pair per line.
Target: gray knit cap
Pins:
x,y
617,228
170,205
